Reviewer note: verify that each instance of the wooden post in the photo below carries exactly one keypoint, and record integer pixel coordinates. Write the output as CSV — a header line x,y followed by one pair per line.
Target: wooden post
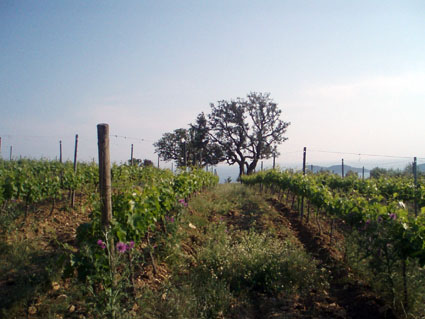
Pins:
x,y
75,169
311,168
131,156
261,165
274,160
342,168
158,160
302,197
60,151
172,167
184,154
415,179
104,175
363,173
10,153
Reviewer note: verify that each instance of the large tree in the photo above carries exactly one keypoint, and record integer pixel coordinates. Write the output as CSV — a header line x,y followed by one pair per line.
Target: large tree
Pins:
x,y
191,146
248,130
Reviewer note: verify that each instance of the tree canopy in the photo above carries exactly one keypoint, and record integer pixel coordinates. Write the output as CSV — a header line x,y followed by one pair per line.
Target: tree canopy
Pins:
x,y
241,131
191,146
248,130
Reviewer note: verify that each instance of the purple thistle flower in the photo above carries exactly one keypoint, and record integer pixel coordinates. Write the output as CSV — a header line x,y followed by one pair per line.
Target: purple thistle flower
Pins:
x,y
121,247
379,219
101,244
393,216
130,245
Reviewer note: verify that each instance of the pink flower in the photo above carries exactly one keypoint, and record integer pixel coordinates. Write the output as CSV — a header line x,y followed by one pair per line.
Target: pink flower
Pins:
x,y
121,247
101,244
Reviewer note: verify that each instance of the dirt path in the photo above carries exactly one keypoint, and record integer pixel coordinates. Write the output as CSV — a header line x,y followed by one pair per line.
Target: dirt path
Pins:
x,y
357,300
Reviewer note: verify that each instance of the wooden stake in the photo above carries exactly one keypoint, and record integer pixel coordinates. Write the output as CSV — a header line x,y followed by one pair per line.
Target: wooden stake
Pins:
x,y
10,154
75,169
184,154
342,168
131,158
60,151
104,175
274,160
415,180
302,197
158,160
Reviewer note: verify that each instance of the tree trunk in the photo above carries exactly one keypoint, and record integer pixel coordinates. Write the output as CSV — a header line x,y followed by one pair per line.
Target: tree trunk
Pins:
x,y
251,167
241,170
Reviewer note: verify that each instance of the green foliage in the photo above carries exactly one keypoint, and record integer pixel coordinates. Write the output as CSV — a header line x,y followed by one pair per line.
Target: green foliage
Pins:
x,y
388,236
257,263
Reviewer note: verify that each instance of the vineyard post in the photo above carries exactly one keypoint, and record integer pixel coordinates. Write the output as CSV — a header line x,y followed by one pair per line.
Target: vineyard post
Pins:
x,y
105,176
184,154
415,177
158,160
131,156
363,173
342,168
60,152
10,153
302,197
261,165
172,167
75,169
274,159
311,168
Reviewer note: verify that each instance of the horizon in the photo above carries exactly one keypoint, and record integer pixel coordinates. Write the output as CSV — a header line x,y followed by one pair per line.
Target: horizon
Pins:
x,y
350,77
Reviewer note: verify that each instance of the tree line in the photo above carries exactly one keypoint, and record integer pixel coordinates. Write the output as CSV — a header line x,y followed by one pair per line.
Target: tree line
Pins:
x,y
241,131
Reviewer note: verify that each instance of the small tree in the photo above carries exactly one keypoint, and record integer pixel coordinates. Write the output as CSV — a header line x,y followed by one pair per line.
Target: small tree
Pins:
x,y
191,146
247,130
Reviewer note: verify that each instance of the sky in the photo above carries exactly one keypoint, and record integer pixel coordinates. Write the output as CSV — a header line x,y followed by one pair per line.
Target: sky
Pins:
x,y
348,75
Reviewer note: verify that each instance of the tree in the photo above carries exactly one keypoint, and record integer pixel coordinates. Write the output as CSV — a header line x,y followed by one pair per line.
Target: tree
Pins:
x,y
191,146
247,130
172,146
203,149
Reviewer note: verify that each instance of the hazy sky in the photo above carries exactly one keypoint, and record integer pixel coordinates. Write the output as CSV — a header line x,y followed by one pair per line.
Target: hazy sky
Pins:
x,y
348,75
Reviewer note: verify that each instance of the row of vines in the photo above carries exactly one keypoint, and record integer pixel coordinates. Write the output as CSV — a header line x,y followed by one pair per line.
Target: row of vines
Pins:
x,y
377,213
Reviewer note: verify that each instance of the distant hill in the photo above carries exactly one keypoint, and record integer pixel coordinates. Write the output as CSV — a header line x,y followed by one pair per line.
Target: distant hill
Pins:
x,y
337,169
